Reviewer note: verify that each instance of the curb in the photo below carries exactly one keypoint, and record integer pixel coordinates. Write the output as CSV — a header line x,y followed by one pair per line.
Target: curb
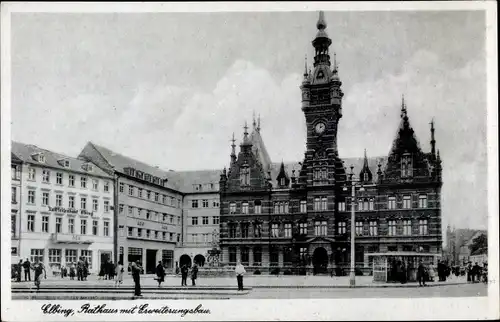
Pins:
x,y
229,288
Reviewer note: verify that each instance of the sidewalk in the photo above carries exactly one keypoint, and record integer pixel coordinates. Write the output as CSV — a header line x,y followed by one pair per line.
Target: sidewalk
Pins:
x,y
250,281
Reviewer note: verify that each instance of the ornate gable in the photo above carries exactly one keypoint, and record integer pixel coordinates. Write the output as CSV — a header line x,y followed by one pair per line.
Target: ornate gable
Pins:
x,y
406,162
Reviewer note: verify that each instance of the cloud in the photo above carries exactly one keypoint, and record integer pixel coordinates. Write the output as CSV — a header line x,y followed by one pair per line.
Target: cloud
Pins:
x,y
185,128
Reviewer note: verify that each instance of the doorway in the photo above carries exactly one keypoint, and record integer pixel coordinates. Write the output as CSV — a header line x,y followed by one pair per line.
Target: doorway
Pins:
x,y
105,258
151,261
185,260
320,261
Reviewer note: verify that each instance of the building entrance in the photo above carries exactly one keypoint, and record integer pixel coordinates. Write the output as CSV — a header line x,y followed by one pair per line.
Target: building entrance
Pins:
x,y
320,261
150,261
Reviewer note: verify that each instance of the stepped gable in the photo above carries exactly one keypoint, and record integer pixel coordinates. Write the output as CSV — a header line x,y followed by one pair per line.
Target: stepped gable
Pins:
x,y
26,153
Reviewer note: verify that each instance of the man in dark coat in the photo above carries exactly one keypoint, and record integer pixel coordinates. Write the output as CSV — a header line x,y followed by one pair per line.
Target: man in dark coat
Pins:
x,y
19,270
470,276
136,271
476,271
194,274
27,270
160,273
86,269
184,274
79,269
421,274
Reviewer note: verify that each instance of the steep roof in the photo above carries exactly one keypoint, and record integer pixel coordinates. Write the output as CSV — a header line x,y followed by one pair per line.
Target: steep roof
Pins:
x,y
120,162
185,180
259,149
25,152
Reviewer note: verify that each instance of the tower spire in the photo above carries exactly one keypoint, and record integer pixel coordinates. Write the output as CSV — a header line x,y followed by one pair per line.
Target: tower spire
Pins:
x,y
433,141
335,67
403,106
258,124
321,42
305,67
233,149
254,121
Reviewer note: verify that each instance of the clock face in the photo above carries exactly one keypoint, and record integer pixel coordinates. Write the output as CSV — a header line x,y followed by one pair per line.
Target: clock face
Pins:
x,y
320,128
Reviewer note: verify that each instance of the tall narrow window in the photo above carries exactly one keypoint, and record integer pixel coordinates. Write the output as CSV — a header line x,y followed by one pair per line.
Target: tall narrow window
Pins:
x,y
244,230
31,174
258,206
31,223
45,198
303,206
392,228
59,178
342,227
45,224
391,203
406,166
59,200
288,230
45,176
406,202
83,227
71,180
373,228
71,202
359,228
422,201
320,228
83,182
244,208
407,227
58,225
71,225
232,208
372,204
31,196
303,228
323,204
317,204
422,227
275,230
341,205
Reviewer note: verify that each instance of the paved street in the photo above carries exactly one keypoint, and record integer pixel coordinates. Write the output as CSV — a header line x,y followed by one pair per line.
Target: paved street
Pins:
x,y
257,287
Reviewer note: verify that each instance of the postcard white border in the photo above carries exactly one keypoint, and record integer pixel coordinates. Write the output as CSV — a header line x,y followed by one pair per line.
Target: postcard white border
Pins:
x,y
324,309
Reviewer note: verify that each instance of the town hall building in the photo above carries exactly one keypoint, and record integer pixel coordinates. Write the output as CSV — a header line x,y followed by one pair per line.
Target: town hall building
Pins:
x,y
297,218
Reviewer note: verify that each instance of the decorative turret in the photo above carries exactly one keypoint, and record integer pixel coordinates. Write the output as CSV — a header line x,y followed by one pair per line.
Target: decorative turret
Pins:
x,y
321,42
365,175
233,150
223,180
306,79
246,143
379,173
433,141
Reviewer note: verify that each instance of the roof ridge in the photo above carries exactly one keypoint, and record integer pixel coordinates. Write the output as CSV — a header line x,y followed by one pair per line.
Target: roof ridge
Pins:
x,y
47,150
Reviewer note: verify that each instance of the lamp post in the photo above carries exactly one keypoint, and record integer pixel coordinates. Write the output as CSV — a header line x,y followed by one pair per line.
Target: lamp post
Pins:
x,y
352,271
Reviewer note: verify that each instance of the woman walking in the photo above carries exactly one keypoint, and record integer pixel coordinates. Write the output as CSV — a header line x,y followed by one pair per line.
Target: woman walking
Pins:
x,y
160,274
119,274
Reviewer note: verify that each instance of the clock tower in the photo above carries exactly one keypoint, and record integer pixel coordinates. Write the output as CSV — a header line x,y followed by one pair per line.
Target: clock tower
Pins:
x,y
322,106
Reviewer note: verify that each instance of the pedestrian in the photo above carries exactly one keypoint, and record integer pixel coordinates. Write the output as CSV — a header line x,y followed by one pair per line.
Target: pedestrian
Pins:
x,y
85,269
160,273
184,274
485,272
102,271
111,270
72,271
136,271
194,274
432,272
19,270
470,277
62,271
176,268
476,271
240,271
79,269
27,270
38,268
421,274
403,273
119,274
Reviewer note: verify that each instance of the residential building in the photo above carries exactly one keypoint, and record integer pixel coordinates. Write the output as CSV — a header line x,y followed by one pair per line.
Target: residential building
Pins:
x,y
61,209
201,211
148,209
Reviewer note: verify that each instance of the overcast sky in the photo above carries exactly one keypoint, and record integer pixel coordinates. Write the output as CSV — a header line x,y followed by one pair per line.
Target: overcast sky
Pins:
x,y
170,88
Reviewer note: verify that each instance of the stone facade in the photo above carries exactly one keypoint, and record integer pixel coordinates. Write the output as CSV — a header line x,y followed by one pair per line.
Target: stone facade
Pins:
x,y
301,219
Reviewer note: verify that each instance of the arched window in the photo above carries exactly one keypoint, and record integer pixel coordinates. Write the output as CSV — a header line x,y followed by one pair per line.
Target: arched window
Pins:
x,y
365,206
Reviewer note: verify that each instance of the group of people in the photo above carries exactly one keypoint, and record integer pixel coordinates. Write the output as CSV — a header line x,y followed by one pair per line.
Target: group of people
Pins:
x,y
37,267
476,273
185,272
107,270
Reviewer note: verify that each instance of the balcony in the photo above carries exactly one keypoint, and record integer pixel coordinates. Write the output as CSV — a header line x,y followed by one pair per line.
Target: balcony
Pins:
x,y
69,239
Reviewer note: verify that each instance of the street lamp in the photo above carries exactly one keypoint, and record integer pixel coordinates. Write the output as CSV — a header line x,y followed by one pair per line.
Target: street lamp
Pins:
x,y
354,185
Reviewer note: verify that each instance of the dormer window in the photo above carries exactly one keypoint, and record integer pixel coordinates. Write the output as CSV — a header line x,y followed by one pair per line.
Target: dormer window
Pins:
x,y
406,166
282,182
87,167
63,162
365,176
39,157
